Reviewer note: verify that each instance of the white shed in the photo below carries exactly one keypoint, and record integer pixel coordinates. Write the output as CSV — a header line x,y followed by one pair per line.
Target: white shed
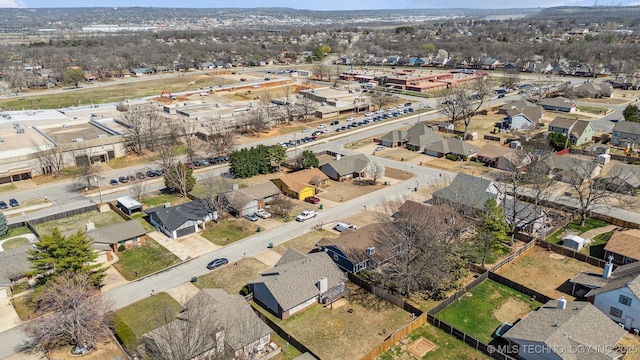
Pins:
x,y
604,159
574,242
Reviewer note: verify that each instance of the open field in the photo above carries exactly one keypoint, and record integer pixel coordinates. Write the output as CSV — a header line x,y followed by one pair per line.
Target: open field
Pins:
x,y
77,222
546,272
133,321
347,190
486,307
349,331
144,259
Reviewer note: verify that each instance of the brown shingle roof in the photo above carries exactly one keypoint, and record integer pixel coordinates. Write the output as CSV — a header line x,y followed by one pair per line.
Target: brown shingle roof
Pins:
x,y
491,151
626,243
298,180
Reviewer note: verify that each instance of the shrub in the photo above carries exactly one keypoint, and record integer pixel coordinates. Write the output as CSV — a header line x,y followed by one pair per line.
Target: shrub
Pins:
x,y
124,334
452,157
122,248
244,291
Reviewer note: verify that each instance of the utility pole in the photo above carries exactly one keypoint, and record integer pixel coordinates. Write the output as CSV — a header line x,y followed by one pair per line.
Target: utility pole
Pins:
x,y
95,178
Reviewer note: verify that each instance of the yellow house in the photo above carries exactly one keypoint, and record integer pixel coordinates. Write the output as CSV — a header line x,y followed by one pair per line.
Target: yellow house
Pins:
x,y
301,184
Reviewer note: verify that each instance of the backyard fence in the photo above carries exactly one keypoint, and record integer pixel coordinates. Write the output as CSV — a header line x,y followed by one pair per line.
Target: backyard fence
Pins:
x,y
117,210
520,288
395,337
565,251
381,292
513,256
63,214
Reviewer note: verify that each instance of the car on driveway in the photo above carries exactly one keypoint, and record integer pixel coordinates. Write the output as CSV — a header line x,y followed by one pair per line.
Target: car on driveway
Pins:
x,y
216,263
113,182
14,203
262,213
251,217
306,215
312,199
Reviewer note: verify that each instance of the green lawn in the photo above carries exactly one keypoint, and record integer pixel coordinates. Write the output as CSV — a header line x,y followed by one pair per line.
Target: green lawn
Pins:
x,y
16,232
448,346
15,242
228,231
133,321
592,110
160,199
596,248
7,188
77,222
591,223
146,259
474,314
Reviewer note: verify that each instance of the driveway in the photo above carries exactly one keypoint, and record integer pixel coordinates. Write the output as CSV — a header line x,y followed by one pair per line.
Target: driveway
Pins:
x,y
112,279
268,257
8,316
183,292
189,246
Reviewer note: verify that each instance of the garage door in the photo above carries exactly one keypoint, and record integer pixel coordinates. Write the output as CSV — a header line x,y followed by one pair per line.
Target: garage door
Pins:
x,y
185,231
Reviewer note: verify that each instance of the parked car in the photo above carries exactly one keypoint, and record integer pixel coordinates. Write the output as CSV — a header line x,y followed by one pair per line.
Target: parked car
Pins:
x,y
123,179
312,199
335,122
380,148
132,178
216,263
14,203
316,133
342,226
306,215
251,217
3,205
306,130
151,173
262,213
322,126
113,182
140,175
350,118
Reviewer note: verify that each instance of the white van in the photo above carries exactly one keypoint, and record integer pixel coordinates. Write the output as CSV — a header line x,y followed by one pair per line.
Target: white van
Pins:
x,y
342,226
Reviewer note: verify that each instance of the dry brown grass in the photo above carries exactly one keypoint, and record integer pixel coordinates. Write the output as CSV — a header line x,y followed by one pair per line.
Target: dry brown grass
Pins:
x,y
304,243
107,349
232,277
546,272
348,190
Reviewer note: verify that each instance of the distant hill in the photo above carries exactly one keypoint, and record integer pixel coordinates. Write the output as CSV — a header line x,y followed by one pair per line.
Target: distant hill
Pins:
x,y
590,14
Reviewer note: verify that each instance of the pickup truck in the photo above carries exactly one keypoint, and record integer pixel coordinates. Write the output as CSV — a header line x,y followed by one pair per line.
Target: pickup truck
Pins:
x,y
262,213
306,215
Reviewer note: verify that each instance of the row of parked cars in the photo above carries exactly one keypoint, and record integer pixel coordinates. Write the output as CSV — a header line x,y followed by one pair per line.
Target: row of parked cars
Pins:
x,y
12,203
300,141
210,161
139,175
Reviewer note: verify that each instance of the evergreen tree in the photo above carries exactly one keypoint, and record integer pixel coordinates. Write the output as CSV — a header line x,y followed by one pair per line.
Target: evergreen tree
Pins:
x,y
4,228
492,229
56,253
631,113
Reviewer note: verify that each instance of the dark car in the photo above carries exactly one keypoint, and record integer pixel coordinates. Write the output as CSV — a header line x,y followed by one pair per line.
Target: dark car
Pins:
x,y
132,178
216,263
140,175
312,199
14,203
335,122
151,173
113,182
3,205
123,179
251,217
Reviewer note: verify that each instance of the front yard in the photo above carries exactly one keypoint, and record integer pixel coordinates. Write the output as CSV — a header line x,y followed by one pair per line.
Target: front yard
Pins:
x,y
229,230
486,307
233,277
144,260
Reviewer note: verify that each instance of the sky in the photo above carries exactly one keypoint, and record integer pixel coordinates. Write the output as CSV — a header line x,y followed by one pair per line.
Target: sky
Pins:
x,y
312,5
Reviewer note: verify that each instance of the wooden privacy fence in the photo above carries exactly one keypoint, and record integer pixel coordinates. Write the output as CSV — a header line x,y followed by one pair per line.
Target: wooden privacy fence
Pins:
x,y
562,250
395,337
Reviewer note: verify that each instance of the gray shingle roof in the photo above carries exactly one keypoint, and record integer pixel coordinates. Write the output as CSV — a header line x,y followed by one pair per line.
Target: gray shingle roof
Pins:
x,y
560,102
295,282
239,199
175,216
629,127
115,233
453,146
349,164
394,136
624,276
580,323
492,151
579,126
467,190
621,174
14,263
420,135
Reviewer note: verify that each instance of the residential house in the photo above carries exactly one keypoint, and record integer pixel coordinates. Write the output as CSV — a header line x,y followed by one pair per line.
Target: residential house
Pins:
x,y
141,71
489,154
346,167
298,281
302,184
623,178
539,67
593,90
560,325
580,131
558,104
527,217
183,219
444,219
415,138
394,138
14,266
356,250
246,201
623,246
490,64
568,169
520,115
454,146
614,292
626,134
234,329
468,193
109,238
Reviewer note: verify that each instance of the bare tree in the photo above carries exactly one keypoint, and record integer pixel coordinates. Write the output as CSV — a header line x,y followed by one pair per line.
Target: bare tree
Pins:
x,y
50,158
463,102
281,206
180,179
188,131
85,169
307,108
74,313
381,97
511,79
375,171
255,121
213,187
138,189
319,71
167,153
135,129
220,140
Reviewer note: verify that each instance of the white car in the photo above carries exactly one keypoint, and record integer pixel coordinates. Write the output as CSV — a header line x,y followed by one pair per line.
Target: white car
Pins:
x,y
342,226
390,108
306,130
262,213
306,215
350,118
381,111
369,114
400,106
322,126
326,131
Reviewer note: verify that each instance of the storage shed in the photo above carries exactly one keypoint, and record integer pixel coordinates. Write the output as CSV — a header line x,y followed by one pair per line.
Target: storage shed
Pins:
x,y
128,205
574,242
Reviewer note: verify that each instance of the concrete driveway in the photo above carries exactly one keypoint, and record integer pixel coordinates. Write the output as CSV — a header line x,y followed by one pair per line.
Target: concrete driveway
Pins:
x,y
183,292
268,257
189,246
8,316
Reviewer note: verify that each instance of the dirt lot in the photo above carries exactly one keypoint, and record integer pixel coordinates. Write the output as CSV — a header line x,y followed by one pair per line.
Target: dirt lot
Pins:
x,y
349,331
106,350
546,272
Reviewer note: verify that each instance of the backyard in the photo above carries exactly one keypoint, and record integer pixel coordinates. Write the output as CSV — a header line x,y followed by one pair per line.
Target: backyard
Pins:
x,y
575,228
485,307
546,272
144,260
78,222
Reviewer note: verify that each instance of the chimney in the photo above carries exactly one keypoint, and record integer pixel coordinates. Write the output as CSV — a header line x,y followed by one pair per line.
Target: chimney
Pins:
x,y
562,303
338,156
323,285
608,268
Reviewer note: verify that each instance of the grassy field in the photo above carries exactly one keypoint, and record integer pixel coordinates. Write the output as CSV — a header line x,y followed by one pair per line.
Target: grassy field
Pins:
x,y
487,306
575,227
161,199
145,259
228,231
7,187
133,321
232,277
14,243
77,222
